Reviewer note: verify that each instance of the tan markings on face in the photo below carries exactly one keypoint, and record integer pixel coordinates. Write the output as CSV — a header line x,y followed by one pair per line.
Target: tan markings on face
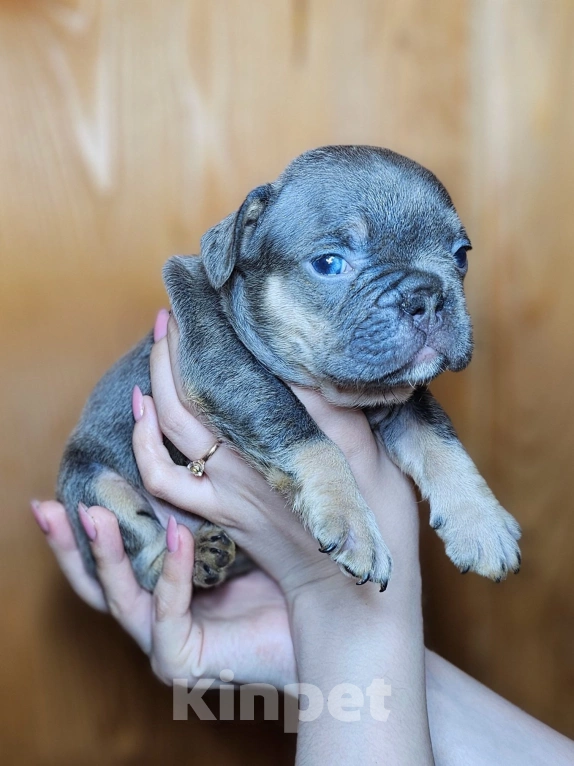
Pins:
x,y
298,332
359,230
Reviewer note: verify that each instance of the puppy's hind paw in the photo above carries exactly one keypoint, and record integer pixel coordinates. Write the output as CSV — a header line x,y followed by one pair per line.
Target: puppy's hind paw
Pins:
x,y
214,555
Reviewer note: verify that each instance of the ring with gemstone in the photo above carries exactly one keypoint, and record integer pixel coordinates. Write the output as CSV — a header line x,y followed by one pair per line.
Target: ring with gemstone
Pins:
x,y
197,467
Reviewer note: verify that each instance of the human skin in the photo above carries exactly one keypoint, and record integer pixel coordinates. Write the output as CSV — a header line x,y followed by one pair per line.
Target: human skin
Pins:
x,y
298,618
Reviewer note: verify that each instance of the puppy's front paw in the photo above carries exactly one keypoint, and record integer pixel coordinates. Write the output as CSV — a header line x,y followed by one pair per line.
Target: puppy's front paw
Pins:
x,y
351,537
479,535
331,507
214,554
360,554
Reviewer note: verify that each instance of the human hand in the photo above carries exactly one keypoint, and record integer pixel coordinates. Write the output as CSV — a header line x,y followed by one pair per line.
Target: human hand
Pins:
x,y
242,625
233,495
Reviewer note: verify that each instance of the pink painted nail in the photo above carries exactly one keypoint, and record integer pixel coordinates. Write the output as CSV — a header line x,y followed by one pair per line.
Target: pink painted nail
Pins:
x,y
41,520
160,329
172,535
137,403
87,522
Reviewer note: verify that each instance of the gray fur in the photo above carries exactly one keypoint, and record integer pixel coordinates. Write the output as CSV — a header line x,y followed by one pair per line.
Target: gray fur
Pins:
x,y
255,316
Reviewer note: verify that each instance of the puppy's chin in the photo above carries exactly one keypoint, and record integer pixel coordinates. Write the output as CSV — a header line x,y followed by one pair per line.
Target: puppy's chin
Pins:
x,y
365,397
426,365
392,389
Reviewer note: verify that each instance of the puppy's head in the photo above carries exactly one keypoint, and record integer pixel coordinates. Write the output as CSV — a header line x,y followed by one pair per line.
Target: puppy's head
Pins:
x,y
349,268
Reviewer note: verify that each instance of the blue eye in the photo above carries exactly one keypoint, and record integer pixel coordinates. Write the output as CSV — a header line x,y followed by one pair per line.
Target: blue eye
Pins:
x,y
460,257
330,265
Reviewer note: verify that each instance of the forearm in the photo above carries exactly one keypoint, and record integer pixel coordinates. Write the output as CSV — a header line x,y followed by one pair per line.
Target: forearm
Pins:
x,y
363,638
471,724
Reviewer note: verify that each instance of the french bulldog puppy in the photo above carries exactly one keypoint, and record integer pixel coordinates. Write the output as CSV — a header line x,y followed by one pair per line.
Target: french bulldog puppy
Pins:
x,y
344,275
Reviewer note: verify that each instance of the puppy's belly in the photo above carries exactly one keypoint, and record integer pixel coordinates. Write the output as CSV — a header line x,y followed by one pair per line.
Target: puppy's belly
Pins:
x,y
163,511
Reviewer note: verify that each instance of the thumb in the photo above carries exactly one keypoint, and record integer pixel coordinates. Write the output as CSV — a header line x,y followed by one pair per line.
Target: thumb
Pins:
x,y
347,427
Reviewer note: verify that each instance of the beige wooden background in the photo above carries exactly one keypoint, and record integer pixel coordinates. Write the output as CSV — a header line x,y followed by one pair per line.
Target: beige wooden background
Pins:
x,y
127,127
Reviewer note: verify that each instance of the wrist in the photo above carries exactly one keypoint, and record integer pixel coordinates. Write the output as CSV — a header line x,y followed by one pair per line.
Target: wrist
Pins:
x,y
345,636
340,601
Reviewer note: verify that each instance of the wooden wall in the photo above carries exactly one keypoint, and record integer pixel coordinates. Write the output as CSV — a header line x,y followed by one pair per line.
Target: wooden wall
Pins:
x,y
126,129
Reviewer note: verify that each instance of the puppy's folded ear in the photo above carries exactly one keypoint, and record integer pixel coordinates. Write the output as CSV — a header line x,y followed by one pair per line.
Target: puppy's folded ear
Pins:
x,y
221,245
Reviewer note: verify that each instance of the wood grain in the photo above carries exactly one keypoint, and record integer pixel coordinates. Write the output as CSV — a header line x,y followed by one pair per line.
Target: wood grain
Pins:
x,y
126,129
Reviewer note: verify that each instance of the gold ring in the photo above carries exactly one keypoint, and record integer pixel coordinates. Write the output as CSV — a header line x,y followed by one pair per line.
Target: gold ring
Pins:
x,y
197,467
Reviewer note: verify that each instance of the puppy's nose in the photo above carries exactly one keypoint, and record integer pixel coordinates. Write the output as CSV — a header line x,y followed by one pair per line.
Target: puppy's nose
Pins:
x,y
425,305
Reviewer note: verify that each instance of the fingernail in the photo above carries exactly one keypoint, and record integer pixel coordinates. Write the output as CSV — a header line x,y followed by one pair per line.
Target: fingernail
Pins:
x,y
160,329
172,535
87,522
41,520
137,403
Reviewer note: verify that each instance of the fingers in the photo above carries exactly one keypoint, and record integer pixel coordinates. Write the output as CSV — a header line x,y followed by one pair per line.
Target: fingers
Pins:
x,y
161,477
126,600
53,521
174,645
175,420
173,591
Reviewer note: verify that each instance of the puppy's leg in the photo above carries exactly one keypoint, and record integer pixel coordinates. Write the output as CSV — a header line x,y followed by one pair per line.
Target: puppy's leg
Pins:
x,y
478,534
326,497
142,534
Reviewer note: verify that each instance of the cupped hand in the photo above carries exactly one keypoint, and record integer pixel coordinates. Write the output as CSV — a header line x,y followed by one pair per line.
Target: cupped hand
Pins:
x,y
242,625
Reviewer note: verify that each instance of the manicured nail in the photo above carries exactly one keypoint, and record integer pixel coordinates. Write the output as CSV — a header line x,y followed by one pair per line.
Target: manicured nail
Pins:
x,y
160,329
172,535
87,522
137,403
41,520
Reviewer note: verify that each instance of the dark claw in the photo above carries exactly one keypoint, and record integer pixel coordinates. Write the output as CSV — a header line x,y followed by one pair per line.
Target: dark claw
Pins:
x,y
328,548
383,587
364,580
465,570
497,579
437,524
519,557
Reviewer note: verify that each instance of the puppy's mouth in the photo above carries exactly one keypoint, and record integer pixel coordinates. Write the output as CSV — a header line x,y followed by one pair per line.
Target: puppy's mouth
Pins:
x,y
424,366
426,354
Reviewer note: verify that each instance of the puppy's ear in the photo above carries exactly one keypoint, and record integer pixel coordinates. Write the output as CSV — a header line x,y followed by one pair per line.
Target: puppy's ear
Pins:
x,y
222,244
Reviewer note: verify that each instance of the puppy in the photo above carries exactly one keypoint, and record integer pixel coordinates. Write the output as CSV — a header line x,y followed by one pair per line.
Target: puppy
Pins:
x,y
345,275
